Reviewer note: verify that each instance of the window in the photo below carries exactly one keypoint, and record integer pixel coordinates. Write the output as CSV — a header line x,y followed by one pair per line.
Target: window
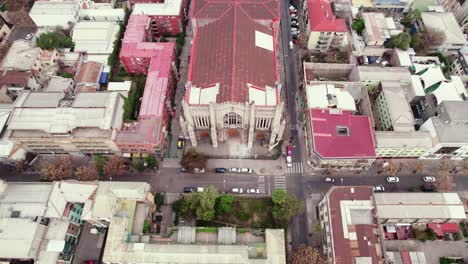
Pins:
x,y
342,131
232,119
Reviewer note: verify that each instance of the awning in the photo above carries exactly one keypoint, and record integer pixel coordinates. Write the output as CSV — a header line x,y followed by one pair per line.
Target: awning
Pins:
x,y
390,229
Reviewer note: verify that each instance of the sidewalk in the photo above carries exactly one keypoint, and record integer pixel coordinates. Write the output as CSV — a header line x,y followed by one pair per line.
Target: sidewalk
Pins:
x,y
260,167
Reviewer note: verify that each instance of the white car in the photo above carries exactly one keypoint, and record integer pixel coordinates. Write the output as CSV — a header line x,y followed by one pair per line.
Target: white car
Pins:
x,y
384,63
428,179
328,180
378,60
293,15
379,188
29,36
393,179
199,170
246,170
253,191
234,170
237,190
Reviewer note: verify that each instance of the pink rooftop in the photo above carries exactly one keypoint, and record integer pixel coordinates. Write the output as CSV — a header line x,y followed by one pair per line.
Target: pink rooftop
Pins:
x,y
224,49
358,142
322,18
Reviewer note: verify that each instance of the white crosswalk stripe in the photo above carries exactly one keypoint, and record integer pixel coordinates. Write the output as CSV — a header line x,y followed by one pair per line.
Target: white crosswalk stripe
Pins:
x,y
296,168
279,182
261,184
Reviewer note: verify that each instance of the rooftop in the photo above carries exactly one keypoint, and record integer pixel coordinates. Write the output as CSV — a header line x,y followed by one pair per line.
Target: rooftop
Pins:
x,y
371,73
119,250
15,77
69,191
18,238
398,107
446,133
325,96
378,27
322,18
353,227
89,72
21,56
446,23
414,139
95,37
234,52
53,13
25,199
167,8
42,111
419,206
340,134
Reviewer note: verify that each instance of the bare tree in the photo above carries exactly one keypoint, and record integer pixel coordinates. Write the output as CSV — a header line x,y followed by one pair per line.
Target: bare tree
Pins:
x,y
444,181
193,159
87,173
433,37
392,169
60,170
307,255
115,166
332,172
418,168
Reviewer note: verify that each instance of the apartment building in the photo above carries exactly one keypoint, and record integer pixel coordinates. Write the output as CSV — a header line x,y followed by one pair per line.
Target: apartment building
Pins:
x,y
156,60
350,231
378,29
448,25
459,66
56,123
167,18
324,30
393,111
459,10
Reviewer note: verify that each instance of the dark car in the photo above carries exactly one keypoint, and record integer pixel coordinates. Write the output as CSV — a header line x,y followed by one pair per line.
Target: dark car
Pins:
x,y
190,189
220,170
428,188
360,60
371,59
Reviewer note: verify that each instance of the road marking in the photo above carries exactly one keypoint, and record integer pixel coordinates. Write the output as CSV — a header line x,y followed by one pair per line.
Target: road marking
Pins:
x,y
279,182
261,184
296,168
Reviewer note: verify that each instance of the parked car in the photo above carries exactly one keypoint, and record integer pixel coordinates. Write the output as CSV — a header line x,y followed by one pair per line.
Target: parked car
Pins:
x,y
378,60
291,46
366,60
29,36
199,170
428,188
234,170
294,27
182,169
253,191
293,15
246,170
428,179
220,170
328,180
384,63
360,60
379,188
190,189
392,179
294,19
237,190
180,143
295,23
371,59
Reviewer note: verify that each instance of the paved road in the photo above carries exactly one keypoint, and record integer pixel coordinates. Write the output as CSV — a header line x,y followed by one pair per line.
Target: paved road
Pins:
x,y
298,226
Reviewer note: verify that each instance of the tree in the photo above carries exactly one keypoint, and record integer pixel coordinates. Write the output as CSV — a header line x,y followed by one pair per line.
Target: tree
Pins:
x,y
444,181
410,17
205,204
401,41
418,168
285,207
307,255
224,204
433,37
151,161
58,171
418,43
392,169
358,25
115,166
193,159
54,40
87,173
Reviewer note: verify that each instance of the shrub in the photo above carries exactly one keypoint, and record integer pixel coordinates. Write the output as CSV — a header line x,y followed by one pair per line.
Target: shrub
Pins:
x,y
146,227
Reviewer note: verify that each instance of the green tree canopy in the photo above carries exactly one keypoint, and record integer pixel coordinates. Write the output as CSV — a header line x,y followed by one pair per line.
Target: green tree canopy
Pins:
x,y
285,206
201,205
358,25
401,41
54,40
224,204
411,17
193,159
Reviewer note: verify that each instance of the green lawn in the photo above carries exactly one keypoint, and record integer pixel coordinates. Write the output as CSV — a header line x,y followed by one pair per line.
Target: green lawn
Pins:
x,y
250,212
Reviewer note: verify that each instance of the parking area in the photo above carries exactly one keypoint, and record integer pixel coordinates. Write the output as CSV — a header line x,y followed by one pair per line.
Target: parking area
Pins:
x,y
433,250
89,246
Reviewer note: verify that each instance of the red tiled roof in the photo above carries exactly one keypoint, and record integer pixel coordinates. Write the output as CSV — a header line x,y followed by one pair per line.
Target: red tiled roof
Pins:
x,y
441,229
224,49
322,18
366,244
14,77
359,143
90,72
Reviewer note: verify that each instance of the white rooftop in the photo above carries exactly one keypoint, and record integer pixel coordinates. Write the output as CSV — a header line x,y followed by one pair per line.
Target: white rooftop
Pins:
x,y
378,27
58,84
102,12
54,13
95,37
168,8
324,96
430,79
446,23
404,56
54,241
29,199
118,250
69,191
414,139
398,107
119,86
40,111
21,56
419,206
20,238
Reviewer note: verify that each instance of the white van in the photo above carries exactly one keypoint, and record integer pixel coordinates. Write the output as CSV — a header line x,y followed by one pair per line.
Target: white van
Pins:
x,y
288,161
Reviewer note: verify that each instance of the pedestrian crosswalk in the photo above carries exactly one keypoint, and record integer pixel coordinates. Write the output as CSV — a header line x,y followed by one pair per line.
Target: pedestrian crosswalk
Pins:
x,y
261,184
279,182
296,168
